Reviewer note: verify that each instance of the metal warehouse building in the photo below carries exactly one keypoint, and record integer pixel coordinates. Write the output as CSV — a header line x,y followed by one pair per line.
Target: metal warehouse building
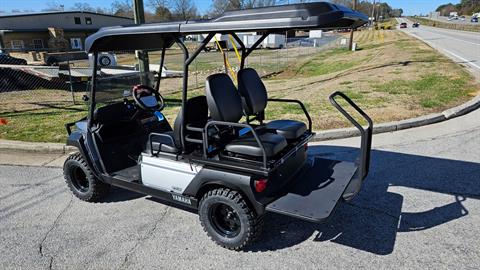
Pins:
x,y
52,31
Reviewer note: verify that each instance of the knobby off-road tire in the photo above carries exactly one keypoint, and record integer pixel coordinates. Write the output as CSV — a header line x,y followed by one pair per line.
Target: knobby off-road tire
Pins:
x,y
81,181
228,220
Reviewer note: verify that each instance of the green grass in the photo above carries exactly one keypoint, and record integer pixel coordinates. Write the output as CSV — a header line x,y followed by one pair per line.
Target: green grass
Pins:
x,y
433,90
40,125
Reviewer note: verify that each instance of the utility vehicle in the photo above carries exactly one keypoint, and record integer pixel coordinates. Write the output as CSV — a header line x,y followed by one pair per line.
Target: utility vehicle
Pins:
x,y
230,171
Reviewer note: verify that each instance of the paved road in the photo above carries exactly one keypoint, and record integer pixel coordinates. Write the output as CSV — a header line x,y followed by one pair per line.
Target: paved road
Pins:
x,y
463,47
419,208
467,20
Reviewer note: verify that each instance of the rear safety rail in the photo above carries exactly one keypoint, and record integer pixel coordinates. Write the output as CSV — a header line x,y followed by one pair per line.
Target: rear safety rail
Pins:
x,y
366,133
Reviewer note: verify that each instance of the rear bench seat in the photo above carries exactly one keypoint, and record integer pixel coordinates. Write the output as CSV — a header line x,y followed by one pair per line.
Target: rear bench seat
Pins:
x,y
225,104
254,97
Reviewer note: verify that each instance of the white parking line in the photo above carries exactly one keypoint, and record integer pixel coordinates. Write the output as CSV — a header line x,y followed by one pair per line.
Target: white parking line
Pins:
x,y
461,58
469,62
458,39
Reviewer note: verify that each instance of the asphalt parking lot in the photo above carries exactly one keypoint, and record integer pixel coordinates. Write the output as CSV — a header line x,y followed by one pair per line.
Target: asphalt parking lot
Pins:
x,y
419,208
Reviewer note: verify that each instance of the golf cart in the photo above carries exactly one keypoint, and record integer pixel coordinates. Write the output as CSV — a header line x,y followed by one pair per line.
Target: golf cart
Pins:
x,y
221,158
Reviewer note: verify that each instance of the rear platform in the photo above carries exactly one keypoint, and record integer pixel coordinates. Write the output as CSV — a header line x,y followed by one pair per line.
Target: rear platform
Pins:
x,y
317,191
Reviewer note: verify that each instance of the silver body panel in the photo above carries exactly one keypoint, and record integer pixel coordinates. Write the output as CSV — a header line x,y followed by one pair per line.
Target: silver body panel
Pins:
x,y
166,174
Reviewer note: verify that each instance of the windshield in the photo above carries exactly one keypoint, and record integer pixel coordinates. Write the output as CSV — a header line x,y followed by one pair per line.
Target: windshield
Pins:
x,y
115,87
118,73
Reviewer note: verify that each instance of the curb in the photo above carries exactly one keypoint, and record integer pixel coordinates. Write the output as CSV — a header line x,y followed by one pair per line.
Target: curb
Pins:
x,y
35,147
425,120
473,104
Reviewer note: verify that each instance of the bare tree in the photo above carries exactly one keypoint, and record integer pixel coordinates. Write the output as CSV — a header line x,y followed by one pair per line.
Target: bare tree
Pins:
x,y
161,10
184,9
220,6
122,8
82,7
54,6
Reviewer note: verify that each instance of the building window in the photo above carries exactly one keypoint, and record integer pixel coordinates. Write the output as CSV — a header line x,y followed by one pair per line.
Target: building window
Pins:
x,y
76,43
38,44
88,20
17,44
77,20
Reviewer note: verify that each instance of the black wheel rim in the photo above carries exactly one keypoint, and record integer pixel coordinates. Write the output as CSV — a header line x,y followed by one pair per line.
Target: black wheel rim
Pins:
x,y
224,220
79,180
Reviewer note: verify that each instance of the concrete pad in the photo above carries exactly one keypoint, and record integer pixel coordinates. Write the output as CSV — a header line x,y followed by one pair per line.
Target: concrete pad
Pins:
x,y
28,159
58,162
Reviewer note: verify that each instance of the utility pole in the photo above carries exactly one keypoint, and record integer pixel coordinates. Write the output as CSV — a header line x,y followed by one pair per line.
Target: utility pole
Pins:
x,y
142,56
373,14
350,45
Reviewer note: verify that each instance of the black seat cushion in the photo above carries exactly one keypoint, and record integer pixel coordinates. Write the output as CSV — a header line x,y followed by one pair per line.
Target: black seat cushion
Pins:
x,y
224,102
162,144
254,98
253,91
247,145
290,129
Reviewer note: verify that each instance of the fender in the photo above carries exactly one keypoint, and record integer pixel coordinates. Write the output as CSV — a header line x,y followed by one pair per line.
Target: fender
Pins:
x,y
77,139
214,177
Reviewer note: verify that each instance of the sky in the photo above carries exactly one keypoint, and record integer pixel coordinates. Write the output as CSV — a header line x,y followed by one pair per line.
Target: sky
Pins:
x,y
410,7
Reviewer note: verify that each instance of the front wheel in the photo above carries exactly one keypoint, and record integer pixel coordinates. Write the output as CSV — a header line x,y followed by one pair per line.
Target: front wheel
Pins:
x,y
228,220
81,180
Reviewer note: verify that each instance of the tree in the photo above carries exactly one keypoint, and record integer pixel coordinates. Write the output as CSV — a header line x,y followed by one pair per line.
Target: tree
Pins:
x,y
82,7
184,10
161,10
122,8
220,6
54,6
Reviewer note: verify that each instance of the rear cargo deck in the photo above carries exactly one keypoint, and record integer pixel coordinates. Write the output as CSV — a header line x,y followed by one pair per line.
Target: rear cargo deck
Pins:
x,y
317,191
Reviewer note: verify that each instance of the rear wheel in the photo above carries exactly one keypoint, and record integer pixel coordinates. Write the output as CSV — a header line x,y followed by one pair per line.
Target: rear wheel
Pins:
x,y
81,181
228,220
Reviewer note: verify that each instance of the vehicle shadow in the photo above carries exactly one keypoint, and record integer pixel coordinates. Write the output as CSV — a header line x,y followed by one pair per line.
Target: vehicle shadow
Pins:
x,y
372,220
117,194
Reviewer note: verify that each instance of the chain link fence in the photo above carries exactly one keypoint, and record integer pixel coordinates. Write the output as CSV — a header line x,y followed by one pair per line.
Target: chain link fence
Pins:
x,y
36,99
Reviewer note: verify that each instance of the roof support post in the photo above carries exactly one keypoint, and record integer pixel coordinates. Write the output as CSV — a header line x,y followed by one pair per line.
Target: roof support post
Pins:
x,y
93,83
185,86
162,60
187,61
242,48
255,45
142,56
202,46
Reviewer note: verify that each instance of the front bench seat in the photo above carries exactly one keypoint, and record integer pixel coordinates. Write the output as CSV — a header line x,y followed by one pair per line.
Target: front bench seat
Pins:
x,y
225,104
162,144
254,97
171,141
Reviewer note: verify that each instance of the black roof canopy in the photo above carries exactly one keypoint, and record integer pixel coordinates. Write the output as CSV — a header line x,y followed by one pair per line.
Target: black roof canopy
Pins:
x,y
319,15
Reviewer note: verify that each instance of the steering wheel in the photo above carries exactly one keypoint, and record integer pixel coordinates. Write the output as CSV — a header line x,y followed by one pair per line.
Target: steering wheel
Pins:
x,y
147,98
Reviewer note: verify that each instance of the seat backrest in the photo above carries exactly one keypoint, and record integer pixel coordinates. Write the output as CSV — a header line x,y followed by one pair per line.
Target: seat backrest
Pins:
x,y
224,101
252,90
196,115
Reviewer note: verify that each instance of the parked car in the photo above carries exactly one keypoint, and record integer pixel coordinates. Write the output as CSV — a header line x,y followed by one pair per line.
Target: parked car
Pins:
x,y
6,59
416,25
403,25
474,20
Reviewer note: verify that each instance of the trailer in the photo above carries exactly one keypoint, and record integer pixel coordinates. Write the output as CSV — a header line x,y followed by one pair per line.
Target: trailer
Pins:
x,y
274,41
